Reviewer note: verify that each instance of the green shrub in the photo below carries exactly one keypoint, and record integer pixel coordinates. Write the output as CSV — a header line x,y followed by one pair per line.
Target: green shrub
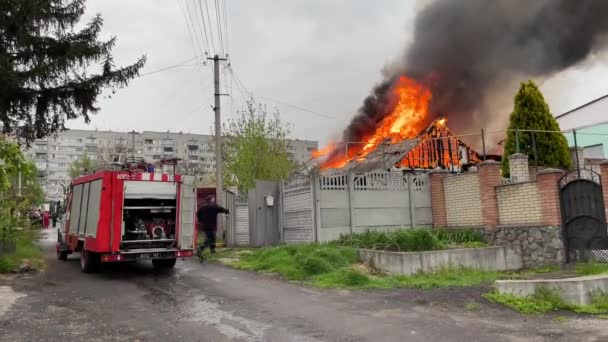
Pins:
x,y
406,240
25,249
298,262
344,278
459,235
545,300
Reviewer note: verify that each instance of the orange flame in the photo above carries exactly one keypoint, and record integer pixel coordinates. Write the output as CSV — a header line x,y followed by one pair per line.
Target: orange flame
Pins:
x,y
409,100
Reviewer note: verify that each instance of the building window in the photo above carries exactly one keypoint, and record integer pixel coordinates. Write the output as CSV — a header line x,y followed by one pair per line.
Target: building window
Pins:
x,y
156,156
193,158
148,141
310,149
167,149
193,147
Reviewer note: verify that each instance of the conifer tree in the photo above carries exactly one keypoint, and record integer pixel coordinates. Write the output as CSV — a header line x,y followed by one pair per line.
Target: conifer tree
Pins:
x,y
49,71
531,112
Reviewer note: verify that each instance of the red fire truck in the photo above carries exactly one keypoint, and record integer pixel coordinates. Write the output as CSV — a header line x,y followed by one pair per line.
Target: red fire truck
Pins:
x,y
122,212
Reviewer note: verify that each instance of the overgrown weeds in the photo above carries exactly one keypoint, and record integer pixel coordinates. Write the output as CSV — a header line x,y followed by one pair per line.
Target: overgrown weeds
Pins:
x,y
546,300
408,240
330,266
591,268
26,251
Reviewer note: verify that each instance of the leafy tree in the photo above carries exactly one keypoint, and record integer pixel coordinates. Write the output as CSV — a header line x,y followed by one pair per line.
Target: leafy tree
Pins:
x,y
80,166
13,199
11,159
255,146
45,66
531,112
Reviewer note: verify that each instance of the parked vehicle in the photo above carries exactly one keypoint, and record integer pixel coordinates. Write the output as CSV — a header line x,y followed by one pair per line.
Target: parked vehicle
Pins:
x,y
123,213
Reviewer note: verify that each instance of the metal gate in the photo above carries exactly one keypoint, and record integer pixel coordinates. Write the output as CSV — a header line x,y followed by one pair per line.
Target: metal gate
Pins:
x,y
583,216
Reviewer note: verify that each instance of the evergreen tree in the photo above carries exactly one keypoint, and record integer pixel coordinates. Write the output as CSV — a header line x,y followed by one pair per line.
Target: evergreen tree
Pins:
x,y
531,112
45,66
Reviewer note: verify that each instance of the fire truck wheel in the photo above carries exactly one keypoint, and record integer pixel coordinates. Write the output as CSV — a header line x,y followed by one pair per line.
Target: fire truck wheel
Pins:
x,y
89,261
62,255
163,263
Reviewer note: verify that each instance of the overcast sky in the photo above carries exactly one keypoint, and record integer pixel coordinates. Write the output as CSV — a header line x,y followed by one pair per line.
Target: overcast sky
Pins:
x,y
320,55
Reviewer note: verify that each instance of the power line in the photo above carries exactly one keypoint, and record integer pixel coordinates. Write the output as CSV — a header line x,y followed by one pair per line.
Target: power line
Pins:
x,y
210,30
200,8
226,29
188,27
170,67
298,107
196,35
219,26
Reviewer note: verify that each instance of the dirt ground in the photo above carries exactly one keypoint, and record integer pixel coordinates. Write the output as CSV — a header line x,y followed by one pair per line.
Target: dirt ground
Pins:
x,y
210,302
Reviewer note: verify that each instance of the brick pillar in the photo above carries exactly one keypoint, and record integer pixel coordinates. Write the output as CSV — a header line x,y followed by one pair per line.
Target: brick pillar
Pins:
x,y
489,178
440,218
604,174
518,167
548,190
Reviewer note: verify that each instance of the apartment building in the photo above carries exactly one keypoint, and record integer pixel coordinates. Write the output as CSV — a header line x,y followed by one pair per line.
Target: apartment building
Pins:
x,y
54,154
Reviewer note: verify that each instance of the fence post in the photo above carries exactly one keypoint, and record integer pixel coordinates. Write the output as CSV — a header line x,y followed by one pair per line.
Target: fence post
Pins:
x,y
517,140
535,153
410,194
578,165
281,201
483,143
351,193
316,204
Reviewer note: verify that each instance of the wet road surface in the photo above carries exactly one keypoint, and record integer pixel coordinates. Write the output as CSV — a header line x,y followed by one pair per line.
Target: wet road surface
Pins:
x,y
209,302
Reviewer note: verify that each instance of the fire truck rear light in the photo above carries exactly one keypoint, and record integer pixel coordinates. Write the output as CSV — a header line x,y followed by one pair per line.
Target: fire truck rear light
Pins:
x,y
111,258
182,254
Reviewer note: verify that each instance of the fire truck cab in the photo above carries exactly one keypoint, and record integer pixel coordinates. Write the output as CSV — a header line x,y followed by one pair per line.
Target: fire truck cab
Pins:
x,y
122,212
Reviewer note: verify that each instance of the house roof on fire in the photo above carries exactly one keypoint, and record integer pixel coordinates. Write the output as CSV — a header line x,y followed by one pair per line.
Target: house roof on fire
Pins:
x,y
388,154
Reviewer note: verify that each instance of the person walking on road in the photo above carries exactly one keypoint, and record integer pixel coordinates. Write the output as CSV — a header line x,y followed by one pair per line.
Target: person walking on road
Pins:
x,y
207,222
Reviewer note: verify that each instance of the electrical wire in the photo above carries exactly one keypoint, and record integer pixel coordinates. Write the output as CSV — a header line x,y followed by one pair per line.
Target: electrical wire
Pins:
x,y
226,31
219,26
282,102
170,67
200,8
196,35
210,30
188,27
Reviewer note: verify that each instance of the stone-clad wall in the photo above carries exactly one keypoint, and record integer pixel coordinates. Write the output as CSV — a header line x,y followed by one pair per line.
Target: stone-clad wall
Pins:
x,y
538,246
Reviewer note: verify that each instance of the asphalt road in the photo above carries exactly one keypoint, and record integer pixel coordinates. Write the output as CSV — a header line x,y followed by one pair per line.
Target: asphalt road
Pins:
x,y
210,302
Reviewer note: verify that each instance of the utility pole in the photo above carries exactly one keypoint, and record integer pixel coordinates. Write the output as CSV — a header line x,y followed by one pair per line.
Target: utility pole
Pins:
x,y
218,133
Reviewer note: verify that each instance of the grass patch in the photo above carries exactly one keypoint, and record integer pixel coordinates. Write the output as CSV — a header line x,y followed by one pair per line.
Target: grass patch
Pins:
x,y
560,319
586,269
408,240
545,300
299,262
472,306
330,266
26,252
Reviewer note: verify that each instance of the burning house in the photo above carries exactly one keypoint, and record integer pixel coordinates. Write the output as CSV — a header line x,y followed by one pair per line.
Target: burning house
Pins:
x,y
402,139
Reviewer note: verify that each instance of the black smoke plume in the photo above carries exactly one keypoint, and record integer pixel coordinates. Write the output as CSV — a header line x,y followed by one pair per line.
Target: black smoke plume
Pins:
x,y
470,50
